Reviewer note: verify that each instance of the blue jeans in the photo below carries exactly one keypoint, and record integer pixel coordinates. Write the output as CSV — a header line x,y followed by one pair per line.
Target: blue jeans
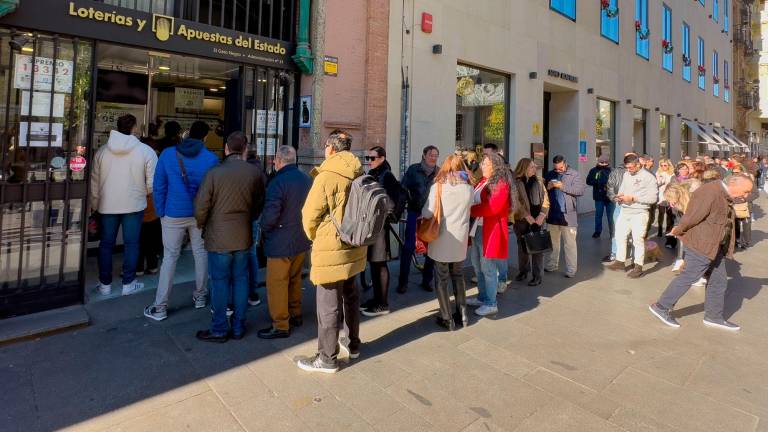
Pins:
x,y
229,279
600,208
489,271
110,223
616,211
253,264
406,254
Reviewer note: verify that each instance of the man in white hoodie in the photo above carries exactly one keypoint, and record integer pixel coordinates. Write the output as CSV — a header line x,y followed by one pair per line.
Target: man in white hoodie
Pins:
x,y
637,193
121,178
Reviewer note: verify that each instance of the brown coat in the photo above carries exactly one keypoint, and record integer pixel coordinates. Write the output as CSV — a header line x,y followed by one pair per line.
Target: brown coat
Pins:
x,y
522,206
702,227
227,203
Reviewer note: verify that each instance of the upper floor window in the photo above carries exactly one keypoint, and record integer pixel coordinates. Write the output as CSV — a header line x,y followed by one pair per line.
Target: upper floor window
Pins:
x,y
726,16
642,32
609,19
726,82
666,38
715,10
715,74
565,7
686,49
701,2
701,67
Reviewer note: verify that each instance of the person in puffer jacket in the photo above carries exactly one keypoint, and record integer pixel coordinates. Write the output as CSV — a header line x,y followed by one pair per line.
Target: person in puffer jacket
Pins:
x,y
121,179
180,172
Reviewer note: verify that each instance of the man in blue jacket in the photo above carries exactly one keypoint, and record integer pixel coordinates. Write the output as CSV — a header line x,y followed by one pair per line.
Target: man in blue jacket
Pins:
x,y
180,171
285,243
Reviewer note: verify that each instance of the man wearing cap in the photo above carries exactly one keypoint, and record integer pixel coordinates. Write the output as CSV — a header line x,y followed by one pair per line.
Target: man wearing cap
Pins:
x,y
598,179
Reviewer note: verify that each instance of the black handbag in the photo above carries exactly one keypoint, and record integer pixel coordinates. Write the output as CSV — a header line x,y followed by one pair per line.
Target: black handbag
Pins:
x,y
538,242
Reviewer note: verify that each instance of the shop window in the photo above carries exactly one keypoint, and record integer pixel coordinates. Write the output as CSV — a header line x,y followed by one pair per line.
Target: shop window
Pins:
x,y
666,35
701,69
726,82
715,10
482,108
685,140
639,142
664,134
605,129
609,21
564,7
686,49
642,32
701,2
715,74
726,17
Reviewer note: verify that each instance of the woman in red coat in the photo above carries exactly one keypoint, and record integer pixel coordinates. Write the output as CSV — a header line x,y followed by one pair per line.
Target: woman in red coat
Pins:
x,y
492,198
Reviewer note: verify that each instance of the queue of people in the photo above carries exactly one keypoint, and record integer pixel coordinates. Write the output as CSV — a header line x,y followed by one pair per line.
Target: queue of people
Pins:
x,y
465,206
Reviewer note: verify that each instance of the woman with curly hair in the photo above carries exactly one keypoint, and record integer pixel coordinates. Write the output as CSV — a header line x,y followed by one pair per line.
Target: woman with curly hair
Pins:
x,y
530,212
492,204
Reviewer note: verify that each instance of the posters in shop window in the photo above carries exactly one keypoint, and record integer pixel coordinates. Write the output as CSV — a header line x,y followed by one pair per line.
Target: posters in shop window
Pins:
x,y
38,134
189,98
41,104
44,73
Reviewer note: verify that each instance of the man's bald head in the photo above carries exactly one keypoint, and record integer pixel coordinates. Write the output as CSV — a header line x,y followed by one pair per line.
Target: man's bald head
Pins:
x,y
739,186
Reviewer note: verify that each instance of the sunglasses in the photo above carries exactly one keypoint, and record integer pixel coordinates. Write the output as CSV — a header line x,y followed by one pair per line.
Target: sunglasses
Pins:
x,y
371,158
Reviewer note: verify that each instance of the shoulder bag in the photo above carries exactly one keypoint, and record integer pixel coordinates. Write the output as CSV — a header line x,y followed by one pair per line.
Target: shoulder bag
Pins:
x,y
537,242
428,230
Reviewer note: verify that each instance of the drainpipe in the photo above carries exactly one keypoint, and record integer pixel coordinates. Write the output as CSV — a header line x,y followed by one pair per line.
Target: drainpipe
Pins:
x,y
318,46
303,56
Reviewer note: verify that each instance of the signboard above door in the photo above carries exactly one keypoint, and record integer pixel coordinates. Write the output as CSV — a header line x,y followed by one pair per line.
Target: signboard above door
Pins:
x,y
101,21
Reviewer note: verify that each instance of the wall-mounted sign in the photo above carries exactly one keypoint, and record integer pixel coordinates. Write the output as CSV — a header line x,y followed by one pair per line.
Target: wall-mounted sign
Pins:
x,y
102,21
536,129
426,22
331,66
77,163
39,134
43,71
305,113
562,75
189,98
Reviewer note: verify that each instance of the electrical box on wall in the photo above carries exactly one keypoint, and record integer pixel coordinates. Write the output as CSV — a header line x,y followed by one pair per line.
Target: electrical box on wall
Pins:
x,y
426,22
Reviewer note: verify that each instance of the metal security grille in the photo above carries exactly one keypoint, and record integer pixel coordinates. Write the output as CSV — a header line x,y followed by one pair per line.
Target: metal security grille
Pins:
x,y
269,18
45,87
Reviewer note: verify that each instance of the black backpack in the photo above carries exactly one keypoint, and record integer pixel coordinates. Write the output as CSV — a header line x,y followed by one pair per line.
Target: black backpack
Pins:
x,y
365,214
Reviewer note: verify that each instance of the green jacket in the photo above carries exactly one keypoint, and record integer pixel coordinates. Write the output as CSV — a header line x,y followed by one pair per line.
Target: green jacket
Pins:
x,y
332,261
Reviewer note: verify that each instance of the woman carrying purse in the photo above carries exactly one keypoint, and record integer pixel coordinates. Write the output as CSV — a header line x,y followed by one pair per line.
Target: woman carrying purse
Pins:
x,y
529,216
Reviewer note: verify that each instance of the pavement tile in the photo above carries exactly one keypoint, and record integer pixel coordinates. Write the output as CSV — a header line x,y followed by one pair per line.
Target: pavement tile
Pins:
x,y
355,390
573,392
404,420
565,416
382,370
633,421
671,404
483,425
437,407
499,358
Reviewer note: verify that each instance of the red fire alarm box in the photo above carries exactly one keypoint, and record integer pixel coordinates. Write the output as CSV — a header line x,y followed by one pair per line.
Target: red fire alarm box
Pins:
x,y
426,22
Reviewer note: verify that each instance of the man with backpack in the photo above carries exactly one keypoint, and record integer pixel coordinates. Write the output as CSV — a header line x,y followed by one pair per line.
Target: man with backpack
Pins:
x,y
180,171
334,263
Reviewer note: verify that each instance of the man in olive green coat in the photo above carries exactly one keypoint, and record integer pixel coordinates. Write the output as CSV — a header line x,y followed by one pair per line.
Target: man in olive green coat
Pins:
x,y
334,264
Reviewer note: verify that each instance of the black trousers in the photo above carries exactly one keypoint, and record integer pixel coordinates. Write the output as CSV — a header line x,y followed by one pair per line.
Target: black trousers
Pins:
x,y
150,245
338,304
527,262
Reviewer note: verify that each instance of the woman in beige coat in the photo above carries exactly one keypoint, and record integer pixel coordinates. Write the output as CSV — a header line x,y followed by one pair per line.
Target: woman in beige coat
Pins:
x,y
449,250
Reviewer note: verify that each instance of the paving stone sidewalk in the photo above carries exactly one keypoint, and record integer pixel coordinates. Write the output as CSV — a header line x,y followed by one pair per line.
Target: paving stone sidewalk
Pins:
x,y
579,354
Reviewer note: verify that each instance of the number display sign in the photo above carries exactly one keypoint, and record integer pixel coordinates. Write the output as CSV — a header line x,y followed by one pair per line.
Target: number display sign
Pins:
x,y
43,71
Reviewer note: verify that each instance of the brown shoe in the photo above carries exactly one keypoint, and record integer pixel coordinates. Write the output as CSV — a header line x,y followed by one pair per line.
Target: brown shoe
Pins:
x,y
617,266
636,272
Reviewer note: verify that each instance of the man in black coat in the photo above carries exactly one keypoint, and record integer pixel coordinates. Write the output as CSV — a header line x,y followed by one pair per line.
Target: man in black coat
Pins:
x,y
598,179
285,243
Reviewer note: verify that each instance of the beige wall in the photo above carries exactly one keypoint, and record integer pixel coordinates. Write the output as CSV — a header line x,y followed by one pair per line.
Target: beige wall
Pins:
x,y
524,36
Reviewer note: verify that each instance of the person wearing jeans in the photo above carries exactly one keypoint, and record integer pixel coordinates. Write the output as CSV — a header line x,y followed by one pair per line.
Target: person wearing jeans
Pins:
x,y
565,186
225,207
598,179
180,171
121,178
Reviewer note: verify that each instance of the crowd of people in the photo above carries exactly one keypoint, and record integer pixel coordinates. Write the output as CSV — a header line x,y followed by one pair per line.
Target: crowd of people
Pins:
x,y
466,206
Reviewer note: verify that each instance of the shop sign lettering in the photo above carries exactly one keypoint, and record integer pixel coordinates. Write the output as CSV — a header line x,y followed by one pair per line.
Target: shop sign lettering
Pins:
x,y
562,75
43,70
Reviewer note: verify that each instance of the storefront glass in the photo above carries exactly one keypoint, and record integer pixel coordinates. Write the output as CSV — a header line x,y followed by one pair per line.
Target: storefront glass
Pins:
x,y
663,135
639,144
685,140
481,108
605,131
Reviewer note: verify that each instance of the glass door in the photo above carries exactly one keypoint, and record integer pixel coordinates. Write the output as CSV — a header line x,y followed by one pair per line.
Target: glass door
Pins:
x,y
45,88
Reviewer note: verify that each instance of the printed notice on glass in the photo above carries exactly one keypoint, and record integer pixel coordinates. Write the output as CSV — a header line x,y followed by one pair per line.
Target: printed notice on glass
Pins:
x,y
189,98
38,134
43,71
41,104
268,123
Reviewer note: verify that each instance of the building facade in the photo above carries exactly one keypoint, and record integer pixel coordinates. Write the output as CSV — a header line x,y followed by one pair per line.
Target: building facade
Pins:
x,y
750,54
581,78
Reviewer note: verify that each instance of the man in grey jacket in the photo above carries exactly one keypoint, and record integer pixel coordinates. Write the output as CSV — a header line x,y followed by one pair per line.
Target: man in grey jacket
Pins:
x,y
564,186
638,192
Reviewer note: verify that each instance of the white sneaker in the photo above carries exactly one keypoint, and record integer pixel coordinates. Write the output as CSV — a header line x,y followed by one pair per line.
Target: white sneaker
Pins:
x,y
474,302
678,265
486,310
105,289
132,288
502,288
701,283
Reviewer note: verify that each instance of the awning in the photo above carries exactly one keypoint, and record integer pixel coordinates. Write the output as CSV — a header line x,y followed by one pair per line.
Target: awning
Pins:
x,y
704,137
724,145
734,143
738,142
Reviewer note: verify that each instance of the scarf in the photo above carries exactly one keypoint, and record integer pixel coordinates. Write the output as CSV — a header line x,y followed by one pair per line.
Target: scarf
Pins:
x,y
427,170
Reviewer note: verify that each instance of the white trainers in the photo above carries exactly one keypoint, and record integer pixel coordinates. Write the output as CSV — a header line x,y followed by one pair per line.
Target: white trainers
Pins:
x,y
678,265
502,287
701,283
105,289
132,288
486,310
474,302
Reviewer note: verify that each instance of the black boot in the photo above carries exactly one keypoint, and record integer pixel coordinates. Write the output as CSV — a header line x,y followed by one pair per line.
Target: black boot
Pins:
x,y
521,276
461,305
444,300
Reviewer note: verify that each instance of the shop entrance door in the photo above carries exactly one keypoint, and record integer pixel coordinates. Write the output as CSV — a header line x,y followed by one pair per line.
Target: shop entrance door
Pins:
x,y
44,107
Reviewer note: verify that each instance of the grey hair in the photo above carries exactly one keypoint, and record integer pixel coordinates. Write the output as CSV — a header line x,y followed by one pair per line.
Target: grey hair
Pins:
x,y
339,140
735,178
286,154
